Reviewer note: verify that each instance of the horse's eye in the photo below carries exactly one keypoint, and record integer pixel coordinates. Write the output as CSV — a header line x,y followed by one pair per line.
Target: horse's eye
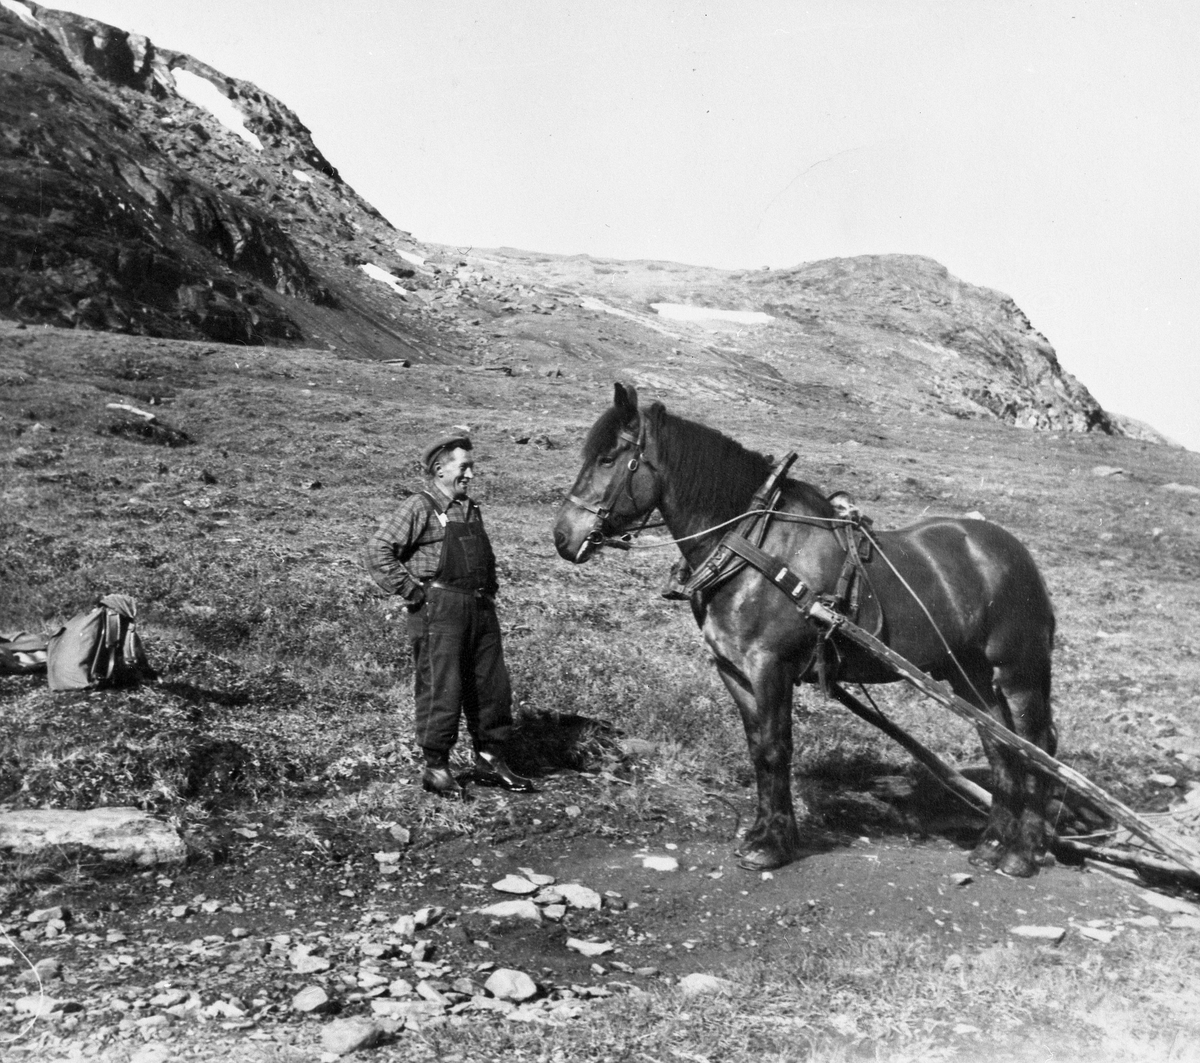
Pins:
x,y
608,463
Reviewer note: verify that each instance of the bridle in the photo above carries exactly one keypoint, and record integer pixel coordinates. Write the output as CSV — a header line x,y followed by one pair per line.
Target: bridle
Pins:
x,y
600,533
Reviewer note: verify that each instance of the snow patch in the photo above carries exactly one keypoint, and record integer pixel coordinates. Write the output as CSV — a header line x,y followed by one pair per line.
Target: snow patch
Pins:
x,y
203,93
410,258
22,12
300,175
384,277
683,312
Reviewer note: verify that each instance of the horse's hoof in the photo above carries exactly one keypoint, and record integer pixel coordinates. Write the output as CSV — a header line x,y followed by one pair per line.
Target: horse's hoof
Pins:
x,y
987,854
761,860
1017,865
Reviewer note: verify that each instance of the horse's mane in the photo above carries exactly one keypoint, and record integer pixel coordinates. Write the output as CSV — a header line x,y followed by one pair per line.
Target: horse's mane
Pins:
x,y
693,453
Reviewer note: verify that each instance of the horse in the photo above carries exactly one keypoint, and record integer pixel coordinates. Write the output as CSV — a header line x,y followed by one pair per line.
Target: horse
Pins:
x,y
960,598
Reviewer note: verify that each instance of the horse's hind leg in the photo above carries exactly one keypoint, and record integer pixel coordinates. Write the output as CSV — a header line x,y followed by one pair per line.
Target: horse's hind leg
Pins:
x,y
1024,691
1004,819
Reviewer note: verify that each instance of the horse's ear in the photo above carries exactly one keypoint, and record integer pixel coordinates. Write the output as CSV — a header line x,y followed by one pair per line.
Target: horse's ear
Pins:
x,y
625,399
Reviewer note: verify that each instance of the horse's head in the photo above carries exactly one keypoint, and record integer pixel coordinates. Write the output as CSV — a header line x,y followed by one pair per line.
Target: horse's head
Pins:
x,y
617,486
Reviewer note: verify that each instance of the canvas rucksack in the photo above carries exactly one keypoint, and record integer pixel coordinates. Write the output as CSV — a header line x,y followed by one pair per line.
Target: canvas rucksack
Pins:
x,y
98,647
22,653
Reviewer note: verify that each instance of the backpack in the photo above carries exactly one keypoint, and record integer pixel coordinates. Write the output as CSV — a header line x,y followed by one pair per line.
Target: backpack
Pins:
x,y
99,647
22,653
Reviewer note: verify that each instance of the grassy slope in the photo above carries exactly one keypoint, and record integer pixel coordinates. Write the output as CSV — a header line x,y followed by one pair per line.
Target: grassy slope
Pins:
x,y
286,673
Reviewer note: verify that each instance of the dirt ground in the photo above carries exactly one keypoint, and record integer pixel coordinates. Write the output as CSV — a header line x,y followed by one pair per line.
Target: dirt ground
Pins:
x,y
223,930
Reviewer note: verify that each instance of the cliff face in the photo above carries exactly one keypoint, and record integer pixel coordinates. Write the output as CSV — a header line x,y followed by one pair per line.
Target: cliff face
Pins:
x,y
143,191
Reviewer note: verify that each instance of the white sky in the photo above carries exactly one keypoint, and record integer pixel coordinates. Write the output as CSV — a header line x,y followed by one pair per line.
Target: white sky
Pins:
x,y
1047,149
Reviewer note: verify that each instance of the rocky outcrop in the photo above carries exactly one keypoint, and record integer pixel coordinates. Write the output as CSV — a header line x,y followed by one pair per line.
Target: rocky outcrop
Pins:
x,y
116,835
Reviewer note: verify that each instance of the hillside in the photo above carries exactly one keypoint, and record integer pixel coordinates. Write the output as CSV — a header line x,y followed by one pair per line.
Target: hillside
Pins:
x,y
148,193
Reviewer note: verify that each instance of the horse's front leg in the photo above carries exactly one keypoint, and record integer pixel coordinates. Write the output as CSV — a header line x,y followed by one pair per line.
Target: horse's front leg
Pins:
x,y
764,699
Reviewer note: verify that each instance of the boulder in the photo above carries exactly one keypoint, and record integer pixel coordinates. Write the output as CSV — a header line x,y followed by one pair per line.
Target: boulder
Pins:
x,y
695,984
118,835
507,984
343,1036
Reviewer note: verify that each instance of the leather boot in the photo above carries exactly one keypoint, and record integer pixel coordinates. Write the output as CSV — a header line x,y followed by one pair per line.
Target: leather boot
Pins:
x,y
490,770
438,779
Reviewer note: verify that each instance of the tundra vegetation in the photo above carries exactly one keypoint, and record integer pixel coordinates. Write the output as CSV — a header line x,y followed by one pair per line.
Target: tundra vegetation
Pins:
x,y
278,735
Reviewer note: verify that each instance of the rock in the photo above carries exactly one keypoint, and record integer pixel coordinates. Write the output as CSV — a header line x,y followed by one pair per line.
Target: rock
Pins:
x,y
523,909
46,915
388,858
43,971
1053,934
589,948
169,998
974,514
117,835
405,927
510,985
1107,470
152,1054
1181,489
659,863
36,1004
1169,904
399,987
1185,922
424,917
343,1036
578,896
310,999
535,878
400,834
370,980
696,984
303,962
515,884
1093,933
573,811
1162,780
638,747
961,878
426,990
554,912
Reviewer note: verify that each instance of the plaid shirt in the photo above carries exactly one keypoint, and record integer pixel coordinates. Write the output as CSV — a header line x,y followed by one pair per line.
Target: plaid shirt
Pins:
x,y
408,545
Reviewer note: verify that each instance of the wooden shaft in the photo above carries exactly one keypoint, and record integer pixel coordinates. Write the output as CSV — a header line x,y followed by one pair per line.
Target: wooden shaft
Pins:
x,y
954,781
1069,777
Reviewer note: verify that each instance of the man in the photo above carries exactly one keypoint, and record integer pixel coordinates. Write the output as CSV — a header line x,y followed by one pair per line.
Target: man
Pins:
x,y
434,552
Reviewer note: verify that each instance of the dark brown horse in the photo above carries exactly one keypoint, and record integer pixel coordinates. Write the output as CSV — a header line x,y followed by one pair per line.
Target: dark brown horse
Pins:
x,y
978,584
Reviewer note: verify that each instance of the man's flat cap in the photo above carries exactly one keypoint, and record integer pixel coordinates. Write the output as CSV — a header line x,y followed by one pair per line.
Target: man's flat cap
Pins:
x,y
446,442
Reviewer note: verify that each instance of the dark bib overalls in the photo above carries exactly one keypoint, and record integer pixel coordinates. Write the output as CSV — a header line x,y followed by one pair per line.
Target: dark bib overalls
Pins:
x,y
457,655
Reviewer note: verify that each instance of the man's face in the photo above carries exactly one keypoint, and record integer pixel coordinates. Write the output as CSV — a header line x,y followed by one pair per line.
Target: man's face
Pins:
x,y
454,471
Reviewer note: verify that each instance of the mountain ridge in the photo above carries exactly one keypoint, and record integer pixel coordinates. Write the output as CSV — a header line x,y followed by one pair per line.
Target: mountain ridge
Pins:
x,y
132,207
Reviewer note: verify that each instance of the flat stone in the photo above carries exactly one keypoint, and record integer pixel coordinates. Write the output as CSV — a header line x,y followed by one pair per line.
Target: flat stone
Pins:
x,y
1181,489
515,884
117,835
523,909
43,971
343,1036
638,747
1107,470
1095,933
311,998
1169,904
578,896
153,1054
303,962
48,915
400,987
589,948
1052,934
696,984
510,985
36,1004
659,863
169,998
535,878
1185,922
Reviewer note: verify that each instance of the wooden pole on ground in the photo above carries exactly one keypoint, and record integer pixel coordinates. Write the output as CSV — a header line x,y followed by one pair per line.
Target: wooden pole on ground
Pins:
x,y
1039,758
